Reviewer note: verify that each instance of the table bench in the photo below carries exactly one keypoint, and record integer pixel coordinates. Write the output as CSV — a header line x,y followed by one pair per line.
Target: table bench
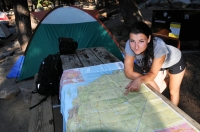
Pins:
x,y
41,117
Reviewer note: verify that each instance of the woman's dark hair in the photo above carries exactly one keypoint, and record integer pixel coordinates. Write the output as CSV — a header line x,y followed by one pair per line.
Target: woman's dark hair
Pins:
x,y
141,27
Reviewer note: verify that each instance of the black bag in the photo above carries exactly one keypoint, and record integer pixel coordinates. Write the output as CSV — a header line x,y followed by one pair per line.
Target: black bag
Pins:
x,y
67,45
48,79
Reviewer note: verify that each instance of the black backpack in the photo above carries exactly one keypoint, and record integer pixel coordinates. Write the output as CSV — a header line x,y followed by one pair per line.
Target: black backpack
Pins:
x,y
48,78
67,45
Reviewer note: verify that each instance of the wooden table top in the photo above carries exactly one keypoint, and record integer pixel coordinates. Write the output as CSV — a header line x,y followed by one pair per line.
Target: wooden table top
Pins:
x,y
87,57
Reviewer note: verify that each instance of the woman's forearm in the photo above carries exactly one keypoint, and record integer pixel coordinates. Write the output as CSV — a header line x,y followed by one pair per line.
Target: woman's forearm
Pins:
x,y
148,77
132,75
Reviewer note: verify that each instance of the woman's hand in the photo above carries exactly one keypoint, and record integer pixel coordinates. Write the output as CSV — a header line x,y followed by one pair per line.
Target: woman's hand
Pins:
x,y
133,86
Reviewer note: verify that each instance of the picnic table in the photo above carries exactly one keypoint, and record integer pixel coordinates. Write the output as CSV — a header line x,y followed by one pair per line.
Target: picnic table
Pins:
x,y
92,98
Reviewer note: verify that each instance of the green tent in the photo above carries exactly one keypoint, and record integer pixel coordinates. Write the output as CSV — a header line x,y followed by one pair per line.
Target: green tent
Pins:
x,y
65,21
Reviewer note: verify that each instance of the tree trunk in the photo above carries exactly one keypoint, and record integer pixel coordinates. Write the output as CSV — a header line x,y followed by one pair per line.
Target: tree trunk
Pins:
x,y
23,22
130,12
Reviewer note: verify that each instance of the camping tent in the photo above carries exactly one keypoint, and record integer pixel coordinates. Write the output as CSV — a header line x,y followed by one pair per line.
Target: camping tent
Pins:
x,y
65,21
4,31
3,17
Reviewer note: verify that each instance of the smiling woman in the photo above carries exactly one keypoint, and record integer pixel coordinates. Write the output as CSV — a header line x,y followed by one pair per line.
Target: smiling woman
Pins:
x,y
155,59
140,45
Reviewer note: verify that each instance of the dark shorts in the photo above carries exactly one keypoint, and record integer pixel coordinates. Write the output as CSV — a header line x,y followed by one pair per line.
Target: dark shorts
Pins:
x,y
175,69
178,67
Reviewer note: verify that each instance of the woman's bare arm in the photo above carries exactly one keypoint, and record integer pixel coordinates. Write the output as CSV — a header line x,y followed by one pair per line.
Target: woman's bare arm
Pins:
x,y
147,78
129,66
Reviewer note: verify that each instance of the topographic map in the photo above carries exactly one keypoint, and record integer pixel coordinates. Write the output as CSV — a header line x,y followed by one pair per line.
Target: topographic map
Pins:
x,y
100,105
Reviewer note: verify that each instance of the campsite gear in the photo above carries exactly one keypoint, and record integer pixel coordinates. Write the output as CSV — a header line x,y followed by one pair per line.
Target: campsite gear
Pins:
x,y
65,21
15,71
48,78
67,45
4,18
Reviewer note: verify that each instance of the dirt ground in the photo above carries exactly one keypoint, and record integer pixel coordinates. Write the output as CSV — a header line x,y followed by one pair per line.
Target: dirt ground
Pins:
x,y
14,112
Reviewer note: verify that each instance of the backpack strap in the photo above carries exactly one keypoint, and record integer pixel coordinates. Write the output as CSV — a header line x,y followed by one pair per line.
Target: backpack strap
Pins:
x,y
40,101
34,91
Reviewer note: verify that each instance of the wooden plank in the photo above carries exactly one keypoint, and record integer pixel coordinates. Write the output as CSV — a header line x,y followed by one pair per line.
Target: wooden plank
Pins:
x,y
87,57
104,55
70,61
177,109
41,116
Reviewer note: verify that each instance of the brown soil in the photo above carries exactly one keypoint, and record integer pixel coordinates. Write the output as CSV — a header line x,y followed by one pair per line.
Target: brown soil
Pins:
x,y
190,93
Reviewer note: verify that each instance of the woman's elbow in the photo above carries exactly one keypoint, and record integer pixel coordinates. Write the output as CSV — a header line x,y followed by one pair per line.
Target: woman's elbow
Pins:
x,y
127,74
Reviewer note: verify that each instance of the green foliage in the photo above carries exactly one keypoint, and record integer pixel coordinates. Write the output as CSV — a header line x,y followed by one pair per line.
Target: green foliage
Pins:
x,y
44,3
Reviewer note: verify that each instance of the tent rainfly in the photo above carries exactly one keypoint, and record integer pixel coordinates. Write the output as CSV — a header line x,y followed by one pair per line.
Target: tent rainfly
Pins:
x,y
65,21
